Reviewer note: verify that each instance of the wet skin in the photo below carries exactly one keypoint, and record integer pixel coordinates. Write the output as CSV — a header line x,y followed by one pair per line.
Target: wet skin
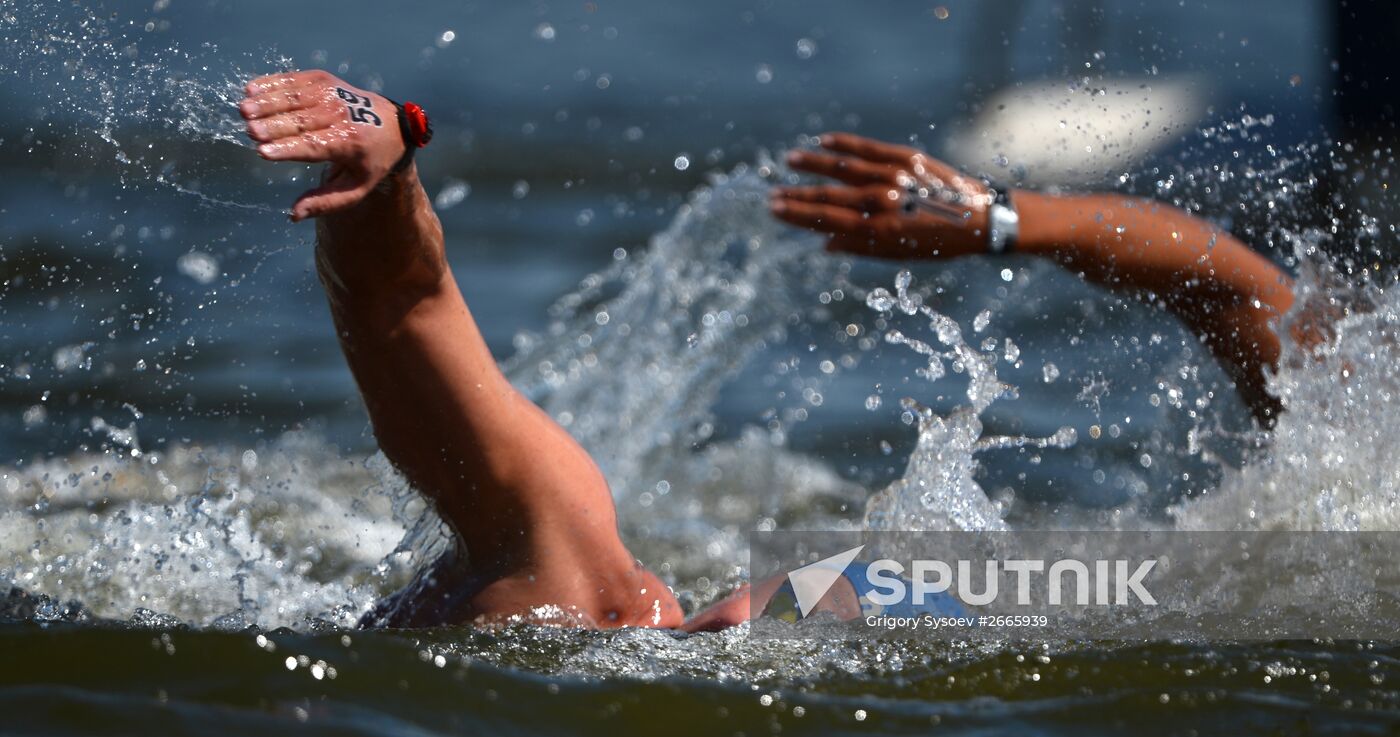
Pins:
x,y
525,504
1227,294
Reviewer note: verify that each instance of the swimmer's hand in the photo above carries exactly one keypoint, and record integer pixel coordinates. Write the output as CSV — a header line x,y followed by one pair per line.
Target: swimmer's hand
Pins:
x,y
316,117
893,201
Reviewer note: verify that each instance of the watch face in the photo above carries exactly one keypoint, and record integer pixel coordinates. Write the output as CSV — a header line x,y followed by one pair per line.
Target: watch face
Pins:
x,y
1003,225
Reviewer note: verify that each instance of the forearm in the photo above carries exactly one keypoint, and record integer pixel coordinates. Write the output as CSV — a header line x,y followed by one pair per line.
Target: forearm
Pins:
x,y
442,410
1145,245
387,251
1224,291
384,269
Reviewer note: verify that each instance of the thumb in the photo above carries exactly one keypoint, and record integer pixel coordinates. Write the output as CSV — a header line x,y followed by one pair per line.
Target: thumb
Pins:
x,y
338,193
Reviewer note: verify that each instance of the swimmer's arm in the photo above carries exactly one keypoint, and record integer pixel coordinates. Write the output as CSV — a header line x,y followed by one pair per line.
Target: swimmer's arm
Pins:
x,y
1224,291
528,502
442,410
531,508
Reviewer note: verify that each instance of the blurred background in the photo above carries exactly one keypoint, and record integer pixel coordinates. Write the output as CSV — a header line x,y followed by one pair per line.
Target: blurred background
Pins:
x,y
152,293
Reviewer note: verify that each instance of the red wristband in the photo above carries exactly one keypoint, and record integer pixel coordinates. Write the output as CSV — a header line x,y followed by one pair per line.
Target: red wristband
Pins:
x,y
416,130
420,130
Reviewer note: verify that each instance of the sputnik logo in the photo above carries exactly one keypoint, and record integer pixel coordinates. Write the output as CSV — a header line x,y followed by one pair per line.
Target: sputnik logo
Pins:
x,y
811,582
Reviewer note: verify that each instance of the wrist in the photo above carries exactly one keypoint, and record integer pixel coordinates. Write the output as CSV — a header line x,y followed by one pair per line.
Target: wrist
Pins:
x,y
1043,226
415,129
388,248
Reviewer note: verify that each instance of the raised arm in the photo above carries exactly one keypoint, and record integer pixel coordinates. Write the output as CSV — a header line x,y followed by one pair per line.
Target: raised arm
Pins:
x,y
1225,292
530,509
1228,294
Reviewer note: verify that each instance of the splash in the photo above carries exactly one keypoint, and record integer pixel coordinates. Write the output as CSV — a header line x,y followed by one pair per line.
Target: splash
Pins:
x,y
283,534
1329,463
163,112
937,490
655,337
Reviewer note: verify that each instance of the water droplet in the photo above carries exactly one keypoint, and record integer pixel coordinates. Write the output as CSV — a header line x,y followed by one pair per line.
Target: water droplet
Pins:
x,y
872,402
35,416
199,266
1050,372
452,193
682,162
70,357
806,48
1012,352
879,300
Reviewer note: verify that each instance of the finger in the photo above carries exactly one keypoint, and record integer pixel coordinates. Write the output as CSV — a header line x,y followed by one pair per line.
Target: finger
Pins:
x,y
272,82
282,101
867,148
818,217
842,168
330,197
932,170
309,147
869,199
295,123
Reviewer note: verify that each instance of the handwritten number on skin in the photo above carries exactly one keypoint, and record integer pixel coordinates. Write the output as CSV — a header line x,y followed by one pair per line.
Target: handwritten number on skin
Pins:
x,y
359,107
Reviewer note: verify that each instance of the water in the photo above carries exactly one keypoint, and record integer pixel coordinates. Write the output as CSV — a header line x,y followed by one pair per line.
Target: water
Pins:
x,y
190,490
